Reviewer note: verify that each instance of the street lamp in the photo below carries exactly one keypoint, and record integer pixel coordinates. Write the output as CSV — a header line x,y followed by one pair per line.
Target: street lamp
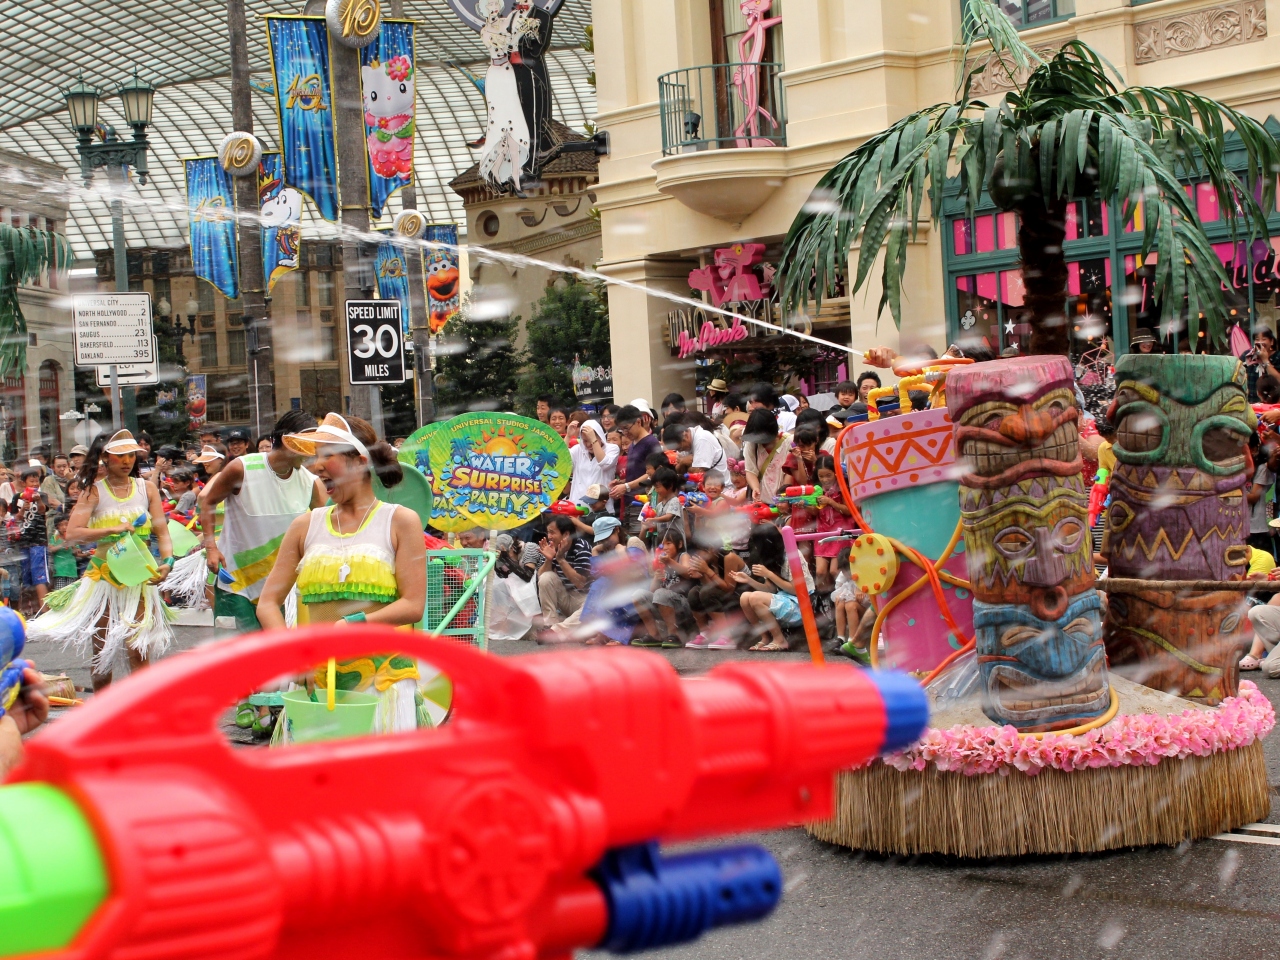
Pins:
x,y
137,98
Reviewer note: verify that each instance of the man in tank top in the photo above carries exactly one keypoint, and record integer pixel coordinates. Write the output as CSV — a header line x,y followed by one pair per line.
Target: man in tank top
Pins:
x,y
263,493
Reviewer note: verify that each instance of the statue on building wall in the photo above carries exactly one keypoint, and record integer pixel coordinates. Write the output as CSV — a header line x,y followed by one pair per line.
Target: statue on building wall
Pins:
x,y
516,35
746,77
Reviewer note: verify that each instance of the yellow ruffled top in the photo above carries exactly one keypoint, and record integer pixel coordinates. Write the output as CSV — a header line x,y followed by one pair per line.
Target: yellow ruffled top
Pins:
x,y
333,570
113,511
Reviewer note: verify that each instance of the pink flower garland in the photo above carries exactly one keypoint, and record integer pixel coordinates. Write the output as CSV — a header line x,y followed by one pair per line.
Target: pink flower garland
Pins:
x,y
1128,740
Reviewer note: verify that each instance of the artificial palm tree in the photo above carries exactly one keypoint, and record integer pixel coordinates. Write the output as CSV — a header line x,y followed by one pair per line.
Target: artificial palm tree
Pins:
x,y
1070,129
24,253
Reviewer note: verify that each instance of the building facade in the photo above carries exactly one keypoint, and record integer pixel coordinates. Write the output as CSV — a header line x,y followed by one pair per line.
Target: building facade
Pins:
x,y
304,317
554,222
693,176
33,400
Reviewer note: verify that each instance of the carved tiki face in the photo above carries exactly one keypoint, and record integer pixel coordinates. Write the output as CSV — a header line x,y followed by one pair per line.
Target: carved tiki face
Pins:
x,y
1042,674
1024,508
1188,645
1178,509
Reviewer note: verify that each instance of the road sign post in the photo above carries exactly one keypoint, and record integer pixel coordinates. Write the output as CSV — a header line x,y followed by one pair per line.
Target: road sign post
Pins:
x,y
375,346
111,330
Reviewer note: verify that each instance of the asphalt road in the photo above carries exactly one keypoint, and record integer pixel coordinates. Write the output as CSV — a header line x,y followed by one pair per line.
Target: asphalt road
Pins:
x,y
1205,899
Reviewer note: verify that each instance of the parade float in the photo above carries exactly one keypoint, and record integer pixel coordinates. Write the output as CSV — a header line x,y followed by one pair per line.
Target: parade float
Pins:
x,y
1079,715
1034,746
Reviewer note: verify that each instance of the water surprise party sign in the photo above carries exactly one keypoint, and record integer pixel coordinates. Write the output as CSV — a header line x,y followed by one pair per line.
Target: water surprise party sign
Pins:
x,y
489,470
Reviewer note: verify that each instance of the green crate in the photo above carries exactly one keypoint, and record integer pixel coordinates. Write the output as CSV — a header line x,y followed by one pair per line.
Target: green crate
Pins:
x,y
449,574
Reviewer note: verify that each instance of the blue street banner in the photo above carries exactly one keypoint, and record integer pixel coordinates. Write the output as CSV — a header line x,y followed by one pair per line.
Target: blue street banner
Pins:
x,y
391,265
211,216
304,104
441,267
387,80
281,211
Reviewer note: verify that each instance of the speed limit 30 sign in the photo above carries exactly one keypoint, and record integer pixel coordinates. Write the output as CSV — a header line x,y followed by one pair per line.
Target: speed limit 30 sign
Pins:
x,y
375,348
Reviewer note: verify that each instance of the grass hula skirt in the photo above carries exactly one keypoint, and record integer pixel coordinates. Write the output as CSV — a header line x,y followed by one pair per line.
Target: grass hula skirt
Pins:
x,y
136,617
187,581
1162,771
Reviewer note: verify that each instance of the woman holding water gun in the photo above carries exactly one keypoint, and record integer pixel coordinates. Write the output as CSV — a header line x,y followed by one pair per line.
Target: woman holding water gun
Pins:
x,y
100,613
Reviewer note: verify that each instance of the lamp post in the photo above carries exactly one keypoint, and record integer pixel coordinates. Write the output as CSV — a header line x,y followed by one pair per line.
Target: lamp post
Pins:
x,y
136,97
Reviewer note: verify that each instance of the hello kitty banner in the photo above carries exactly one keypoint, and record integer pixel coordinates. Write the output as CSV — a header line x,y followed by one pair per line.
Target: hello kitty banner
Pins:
x,y
387,79
281,211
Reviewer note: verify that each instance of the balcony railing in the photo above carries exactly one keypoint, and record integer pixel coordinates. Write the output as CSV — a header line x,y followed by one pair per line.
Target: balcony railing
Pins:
x,y
722,105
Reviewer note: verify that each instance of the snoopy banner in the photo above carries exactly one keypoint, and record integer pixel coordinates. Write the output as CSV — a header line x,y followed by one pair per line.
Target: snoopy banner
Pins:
x,y
441,266
387,85
497,470
281,212
392,269
211,214
304,105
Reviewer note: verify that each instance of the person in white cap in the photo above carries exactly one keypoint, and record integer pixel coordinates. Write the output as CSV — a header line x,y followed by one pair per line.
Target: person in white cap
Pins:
x,y
263,493
359,560
98,613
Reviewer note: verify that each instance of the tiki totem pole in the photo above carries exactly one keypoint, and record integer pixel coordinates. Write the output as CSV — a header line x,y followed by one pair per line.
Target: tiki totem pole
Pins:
x,y
1178,512
1023,503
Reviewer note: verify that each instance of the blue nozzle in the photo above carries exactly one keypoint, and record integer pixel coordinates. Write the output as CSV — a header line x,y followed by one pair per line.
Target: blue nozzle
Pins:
x,y
906,708
656,901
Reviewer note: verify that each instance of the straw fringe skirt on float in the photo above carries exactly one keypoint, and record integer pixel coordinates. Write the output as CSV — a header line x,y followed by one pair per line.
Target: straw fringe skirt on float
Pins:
x,y
885,810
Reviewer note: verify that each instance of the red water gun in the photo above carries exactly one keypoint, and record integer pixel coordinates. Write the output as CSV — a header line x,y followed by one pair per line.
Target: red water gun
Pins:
x,y
566,508
524,827
759,512
1098,495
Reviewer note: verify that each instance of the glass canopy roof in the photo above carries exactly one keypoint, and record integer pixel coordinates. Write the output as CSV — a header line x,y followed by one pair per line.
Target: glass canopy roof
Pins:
x,y
182,48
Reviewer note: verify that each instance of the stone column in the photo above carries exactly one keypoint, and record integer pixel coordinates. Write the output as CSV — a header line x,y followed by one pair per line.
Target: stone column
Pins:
x,y
1024,505
1178,512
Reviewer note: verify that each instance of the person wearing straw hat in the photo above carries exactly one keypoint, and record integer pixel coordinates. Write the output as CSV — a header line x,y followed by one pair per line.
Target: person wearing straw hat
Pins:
x,y
100,613
263,493
717,390
358,560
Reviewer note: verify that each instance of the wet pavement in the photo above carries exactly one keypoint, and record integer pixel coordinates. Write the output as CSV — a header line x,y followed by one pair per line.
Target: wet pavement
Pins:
x,y
1208,898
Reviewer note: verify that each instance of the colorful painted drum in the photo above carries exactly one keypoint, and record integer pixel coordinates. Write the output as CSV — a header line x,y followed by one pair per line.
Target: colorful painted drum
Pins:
x,y
902,477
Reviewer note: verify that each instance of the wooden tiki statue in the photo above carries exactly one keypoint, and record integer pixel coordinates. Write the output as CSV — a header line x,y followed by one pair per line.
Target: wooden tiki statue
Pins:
x,y
1024,505
1178,512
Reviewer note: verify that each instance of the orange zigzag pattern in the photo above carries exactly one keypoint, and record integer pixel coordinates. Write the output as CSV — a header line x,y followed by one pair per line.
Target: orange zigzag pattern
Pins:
x,y
1139,542
904,446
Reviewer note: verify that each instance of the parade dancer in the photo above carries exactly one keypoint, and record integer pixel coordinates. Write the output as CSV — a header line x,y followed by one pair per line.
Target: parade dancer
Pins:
x,y
359,560
263,493
99,613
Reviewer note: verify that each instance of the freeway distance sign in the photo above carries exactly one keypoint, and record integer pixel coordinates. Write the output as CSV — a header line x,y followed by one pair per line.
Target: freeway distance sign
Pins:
x,y
113,329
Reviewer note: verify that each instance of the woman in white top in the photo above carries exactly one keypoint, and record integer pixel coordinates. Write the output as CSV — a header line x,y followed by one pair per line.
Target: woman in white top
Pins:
x,y
594,460
99,612
765,452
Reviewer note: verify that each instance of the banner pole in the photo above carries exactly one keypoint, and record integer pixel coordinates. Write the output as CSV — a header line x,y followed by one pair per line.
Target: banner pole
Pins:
x,y
115,399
